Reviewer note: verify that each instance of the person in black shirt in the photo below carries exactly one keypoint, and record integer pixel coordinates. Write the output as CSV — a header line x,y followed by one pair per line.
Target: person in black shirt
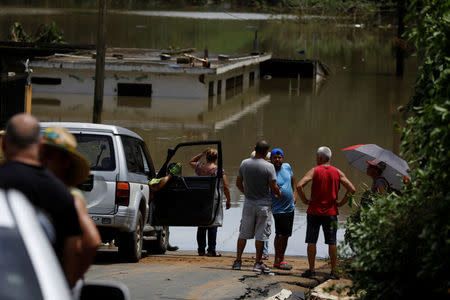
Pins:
x,y
22,171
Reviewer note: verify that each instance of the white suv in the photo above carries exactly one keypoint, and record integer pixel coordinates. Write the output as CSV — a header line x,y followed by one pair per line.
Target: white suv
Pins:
x,y
117,193
118,197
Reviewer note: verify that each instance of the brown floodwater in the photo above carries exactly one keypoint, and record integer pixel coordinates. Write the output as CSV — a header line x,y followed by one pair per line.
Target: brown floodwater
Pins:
x,y
356,104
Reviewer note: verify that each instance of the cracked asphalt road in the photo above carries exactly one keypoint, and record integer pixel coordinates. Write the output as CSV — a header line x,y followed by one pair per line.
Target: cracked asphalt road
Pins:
x,y
185,275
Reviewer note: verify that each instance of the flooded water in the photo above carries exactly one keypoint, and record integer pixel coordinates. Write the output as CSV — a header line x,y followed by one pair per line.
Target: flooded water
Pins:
x,y
357,104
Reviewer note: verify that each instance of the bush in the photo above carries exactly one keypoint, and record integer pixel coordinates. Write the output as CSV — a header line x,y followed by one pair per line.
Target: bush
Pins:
x,y
46,33
401,244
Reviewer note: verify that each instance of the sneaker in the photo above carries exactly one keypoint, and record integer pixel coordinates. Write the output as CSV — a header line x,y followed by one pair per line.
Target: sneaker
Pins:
x,y
261,267
283,266
172,248
334,275
309,274
237,264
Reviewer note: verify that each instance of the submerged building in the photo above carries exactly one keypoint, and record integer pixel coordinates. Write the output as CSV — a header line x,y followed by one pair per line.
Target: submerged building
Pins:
x,y
148,73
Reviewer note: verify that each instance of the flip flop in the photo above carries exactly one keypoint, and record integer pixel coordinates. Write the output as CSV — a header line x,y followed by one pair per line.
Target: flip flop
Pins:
x,y
213,254
283,266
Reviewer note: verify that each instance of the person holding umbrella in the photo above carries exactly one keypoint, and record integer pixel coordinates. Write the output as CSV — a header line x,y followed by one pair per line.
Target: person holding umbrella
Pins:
x,y
374,169
383,164
323,207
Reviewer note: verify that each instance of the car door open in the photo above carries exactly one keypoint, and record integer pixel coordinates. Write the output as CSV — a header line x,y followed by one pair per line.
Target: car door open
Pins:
x,y
188,200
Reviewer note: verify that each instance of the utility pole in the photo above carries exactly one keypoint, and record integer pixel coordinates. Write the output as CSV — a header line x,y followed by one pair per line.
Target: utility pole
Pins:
x,y
100,63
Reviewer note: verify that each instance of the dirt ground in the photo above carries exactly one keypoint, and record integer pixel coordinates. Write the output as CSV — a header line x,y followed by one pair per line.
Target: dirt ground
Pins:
x,y
185,275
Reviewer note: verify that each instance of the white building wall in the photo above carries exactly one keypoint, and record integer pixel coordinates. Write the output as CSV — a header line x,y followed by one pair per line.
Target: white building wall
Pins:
x,y
79,81
83,82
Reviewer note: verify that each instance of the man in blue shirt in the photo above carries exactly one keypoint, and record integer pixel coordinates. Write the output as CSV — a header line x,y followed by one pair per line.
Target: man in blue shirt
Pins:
x,y
283,207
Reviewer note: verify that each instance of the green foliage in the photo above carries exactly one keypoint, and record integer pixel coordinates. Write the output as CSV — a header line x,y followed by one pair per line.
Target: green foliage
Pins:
x,y
362,206
401,244
46,33
18,34
49,33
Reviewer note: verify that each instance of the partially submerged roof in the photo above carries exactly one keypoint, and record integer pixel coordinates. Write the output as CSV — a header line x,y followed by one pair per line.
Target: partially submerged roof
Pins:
x,y
150,60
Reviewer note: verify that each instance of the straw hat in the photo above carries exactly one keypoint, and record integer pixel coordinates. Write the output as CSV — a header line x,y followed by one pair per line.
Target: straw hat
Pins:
x,y
60,138
252,155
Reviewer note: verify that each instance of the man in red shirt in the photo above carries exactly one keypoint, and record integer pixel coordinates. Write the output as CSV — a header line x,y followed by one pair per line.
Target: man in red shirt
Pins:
x,y
323,206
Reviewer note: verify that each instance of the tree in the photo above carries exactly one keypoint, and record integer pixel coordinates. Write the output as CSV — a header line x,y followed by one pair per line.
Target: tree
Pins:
x,y
401,244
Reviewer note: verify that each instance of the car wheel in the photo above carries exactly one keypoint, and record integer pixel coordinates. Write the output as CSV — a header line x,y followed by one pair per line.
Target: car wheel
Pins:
x,y
159,246
130,243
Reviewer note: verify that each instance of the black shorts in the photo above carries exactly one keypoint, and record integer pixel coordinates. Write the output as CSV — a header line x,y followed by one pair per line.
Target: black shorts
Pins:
x,y
329,227
284,223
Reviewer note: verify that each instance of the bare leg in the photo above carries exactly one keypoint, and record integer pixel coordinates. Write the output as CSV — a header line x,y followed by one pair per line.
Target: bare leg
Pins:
x,y
276,245
240,248
332,251
283,246
259,245
312,256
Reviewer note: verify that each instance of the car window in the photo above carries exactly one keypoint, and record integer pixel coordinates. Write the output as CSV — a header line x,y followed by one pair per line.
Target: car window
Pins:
x,y
135,156
144,161
17,277
98,150
148,163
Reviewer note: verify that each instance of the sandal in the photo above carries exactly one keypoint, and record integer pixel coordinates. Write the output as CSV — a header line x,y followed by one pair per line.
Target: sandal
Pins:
x,y
283,266
213,254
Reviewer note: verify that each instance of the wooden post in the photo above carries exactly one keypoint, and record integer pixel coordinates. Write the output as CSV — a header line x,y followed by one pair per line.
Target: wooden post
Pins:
x,y
28,99
400,52
100,63
255,44
315,44
28,89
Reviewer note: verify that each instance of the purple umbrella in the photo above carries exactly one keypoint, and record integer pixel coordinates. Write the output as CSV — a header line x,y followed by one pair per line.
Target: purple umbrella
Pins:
x,y
396,168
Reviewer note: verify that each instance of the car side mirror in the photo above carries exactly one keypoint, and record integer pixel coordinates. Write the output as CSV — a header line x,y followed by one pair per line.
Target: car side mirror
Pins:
x,y
104,290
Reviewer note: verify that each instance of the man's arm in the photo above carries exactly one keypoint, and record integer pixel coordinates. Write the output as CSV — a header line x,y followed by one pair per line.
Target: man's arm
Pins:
x,y
293,188
275,189
302,183
239,184
226,191
158,183
348,186
90,238
70,258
